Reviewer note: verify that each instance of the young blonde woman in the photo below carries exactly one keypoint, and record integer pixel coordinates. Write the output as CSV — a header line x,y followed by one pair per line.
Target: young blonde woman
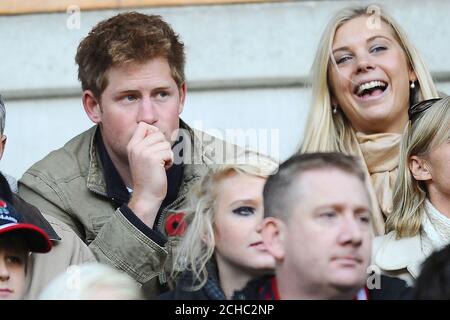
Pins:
x,y
365,76
420,222
222,248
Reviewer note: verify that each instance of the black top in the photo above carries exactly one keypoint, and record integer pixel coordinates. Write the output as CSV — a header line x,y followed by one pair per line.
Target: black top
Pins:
x,y
211,290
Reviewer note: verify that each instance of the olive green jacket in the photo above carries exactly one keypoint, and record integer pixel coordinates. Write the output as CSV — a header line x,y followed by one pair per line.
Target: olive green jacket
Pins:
x,y
69,184
45,267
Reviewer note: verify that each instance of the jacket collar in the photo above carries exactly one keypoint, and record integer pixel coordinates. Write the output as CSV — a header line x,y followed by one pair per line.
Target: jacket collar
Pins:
x,y
115,187
95,178
396,254
211,288
194,159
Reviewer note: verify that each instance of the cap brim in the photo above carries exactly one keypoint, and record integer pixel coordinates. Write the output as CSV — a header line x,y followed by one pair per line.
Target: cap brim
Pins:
x,y
36,239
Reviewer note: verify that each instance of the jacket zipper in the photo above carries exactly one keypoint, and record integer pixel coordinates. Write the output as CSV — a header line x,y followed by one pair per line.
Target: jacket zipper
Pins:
x,y
163,213
162,275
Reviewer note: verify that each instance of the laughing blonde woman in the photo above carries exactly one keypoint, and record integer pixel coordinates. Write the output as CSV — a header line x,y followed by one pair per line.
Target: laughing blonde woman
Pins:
x,y
365,77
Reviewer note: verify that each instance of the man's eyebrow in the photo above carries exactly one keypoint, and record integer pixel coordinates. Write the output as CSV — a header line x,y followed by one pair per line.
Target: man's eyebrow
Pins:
x,y
127,91
329,206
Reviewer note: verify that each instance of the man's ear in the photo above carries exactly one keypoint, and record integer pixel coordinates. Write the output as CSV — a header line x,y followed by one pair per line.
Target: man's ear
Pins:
x,y
92,106
183,90
419,168
2,145
273,234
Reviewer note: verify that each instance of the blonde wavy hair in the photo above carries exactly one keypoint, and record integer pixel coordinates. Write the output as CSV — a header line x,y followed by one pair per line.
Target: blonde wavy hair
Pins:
x,y
430,130
92,281
198,244
326,132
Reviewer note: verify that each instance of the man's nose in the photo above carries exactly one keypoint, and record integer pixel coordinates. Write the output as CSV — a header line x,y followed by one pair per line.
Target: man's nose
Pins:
x,y
147,111
351,231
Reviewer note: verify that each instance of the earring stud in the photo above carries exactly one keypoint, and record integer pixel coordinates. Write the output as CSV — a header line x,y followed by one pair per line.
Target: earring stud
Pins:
x,y
335,109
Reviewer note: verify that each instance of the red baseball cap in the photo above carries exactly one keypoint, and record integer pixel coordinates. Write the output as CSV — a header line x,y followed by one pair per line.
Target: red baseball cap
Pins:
x,y
11,221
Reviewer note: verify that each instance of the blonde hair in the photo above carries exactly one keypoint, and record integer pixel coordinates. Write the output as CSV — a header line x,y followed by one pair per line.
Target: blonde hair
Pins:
x,y
326,132
198,244
92,281
428,131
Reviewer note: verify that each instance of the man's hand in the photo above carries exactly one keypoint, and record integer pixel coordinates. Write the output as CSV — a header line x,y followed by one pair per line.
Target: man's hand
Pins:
x,y
149,155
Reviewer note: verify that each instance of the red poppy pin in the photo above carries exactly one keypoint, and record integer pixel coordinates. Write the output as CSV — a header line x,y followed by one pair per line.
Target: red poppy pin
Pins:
x,y
175,224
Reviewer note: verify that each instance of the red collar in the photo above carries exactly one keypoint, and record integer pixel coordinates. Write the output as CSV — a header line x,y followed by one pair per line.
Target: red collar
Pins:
x,y
274,287
274,294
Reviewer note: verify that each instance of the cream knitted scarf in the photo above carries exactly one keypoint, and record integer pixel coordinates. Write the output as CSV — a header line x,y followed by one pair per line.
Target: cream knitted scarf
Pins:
x,y
435,229
381,152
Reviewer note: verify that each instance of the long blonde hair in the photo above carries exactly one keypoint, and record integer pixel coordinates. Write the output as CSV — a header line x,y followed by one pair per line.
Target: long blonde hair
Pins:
x,y
429,130
198,244
327,132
